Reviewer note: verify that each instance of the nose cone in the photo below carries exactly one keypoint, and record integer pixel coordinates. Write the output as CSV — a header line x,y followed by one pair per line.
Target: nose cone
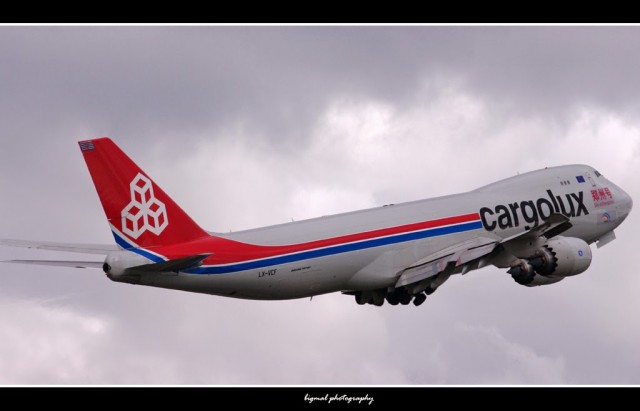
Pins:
x,y
625,203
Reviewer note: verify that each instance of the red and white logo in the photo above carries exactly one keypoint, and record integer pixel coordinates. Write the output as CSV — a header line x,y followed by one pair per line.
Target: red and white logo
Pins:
x,y
144,212
602,197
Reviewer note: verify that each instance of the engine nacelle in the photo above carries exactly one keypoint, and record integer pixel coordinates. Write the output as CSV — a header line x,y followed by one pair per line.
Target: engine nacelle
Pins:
x,y
542,280
572,256
558,258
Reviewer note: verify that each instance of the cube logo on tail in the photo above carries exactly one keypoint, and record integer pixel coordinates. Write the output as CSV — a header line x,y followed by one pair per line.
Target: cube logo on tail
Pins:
x,y
144,212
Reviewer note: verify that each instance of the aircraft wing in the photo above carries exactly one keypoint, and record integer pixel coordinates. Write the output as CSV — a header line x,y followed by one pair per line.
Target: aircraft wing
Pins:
x,y
524,244
447,259
74,264
101,249
475,253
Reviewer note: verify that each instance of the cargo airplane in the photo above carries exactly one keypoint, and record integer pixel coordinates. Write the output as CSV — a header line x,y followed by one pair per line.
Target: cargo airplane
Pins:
x,y
538,226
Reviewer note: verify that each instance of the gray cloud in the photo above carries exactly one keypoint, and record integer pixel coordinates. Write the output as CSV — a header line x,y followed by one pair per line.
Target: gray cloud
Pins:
x,y
253,126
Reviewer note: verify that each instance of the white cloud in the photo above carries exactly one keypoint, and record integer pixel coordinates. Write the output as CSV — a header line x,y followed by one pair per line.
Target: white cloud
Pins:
x,y
42,342
507,362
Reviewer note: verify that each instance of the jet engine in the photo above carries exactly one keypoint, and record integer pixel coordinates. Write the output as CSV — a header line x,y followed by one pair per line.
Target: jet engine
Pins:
x,y
560,257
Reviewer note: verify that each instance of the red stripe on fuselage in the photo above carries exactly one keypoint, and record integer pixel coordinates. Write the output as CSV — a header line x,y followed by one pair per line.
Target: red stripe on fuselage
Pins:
x,y
226,251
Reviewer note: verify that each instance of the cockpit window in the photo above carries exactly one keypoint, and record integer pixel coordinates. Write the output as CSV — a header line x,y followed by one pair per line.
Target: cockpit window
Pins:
x,y
597,173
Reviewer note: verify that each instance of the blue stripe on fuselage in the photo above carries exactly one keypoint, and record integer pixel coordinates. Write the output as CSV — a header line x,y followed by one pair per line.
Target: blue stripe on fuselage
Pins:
x,y
337,249
140,251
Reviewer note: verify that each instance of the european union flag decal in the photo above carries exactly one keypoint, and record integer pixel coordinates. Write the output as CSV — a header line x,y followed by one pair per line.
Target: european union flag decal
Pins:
x,y
580,179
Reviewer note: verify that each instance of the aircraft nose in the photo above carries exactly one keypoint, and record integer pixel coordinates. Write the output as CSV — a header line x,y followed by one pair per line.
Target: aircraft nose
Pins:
x,y
626,204
629,201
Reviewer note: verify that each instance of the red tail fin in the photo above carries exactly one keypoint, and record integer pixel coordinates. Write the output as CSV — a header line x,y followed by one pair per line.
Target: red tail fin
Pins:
x,y
139,212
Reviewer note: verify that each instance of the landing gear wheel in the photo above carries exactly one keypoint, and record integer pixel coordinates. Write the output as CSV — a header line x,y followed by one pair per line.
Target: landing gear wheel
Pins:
x,y
393,299
419,299
405,299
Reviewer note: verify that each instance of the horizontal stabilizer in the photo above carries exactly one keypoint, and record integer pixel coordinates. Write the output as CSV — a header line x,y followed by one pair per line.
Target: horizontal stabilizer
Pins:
x,y
74,264
101,249
178,264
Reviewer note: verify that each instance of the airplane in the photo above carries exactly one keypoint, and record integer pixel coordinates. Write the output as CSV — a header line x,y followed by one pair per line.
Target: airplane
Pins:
x,y
538,225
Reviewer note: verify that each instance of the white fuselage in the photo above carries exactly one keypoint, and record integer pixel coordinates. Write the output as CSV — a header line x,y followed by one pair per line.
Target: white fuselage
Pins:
x,y
502,209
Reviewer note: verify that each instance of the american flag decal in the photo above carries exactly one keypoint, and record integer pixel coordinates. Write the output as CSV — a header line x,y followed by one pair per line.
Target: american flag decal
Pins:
x,y
86,145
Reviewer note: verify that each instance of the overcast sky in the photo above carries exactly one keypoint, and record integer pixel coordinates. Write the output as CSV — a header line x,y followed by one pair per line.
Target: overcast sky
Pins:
x,y
246,127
